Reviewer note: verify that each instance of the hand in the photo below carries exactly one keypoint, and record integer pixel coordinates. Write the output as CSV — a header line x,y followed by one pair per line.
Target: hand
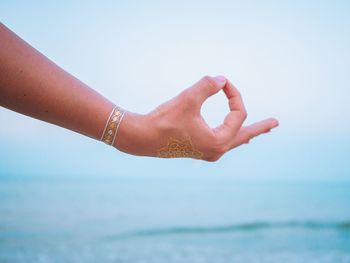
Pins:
x,y
177,129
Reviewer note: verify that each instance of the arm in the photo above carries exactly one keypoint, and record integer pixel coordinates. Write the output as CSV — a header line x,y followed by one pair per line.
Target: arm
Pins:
x,y
33,85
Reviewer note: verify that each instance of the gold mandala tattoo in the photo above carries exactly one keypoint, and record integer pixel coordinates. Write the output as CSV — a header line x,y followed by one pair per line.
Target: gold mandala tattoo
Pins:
x,y
179,148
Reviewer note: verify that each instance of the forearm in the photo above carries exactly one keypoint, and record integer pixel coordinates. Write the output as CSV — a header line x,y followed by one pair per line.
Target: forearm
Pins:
x,y
33,85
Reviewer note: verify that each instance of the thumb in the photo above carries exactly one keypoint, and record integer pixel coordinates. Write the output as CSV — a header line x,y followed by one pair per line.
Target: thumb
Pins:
x,y
208,86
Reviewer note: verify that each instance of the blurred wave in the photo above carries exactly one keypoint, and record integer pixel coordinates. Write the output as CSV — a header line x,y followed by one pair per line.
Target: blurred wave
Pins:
x,y
343,226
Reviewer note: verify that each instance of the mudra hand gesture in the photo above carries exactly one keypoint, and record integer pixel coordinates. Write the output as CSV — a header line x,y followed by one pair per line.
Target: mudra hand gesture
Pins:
x,y
177,129
33,85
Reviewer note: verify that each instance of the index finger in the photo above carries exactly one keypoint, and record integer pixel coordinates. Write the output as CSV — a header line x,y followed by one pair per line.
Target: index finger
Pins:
x,y
237,115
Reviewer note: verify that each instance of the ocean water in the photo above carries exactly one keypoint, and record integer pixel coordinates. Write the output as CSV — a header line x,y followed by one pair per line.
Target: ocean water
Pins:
x,y
172,219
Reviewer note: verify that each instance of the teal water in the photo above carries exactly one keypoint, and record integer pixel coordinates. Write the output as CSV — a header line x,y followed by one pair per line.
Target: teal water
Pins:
x,y
162,219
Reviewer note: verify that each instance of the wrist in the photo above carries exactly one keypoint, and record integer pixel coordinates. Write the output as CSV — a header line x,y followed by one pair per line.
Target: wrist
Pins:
x,y
136,134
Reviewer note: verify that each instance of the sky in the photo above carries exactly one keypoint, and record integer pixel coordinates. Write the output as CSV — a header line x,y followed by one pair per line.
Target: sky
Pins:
x,y
289,59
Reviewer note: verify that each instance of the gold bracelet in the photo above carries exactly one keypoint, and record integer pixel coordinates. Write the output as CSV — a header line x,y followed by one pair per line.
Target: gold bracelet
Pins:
x,y
112,125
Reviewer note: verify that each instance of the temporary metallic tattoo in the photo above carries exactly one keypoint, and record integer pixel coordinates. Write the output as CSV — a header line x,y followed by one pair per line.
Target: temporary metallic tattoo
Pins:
x,y
112,125
179,148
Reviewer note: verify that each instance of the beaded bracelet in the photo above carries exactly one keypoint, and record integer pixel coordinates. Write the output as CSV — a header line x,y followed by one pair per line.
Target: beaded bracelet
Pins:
x,y
112,125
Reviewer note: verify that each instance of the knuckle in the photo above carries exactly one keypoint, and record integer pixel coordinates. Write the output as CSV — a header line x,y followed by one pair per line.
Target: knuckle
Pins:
x,y
247,136
189,97
207,80
218,147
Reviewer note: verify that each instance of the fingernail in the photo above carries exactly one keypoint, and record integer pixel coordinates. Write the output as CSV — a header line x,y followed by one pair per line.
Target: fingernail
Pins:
x,y
276,122
220,78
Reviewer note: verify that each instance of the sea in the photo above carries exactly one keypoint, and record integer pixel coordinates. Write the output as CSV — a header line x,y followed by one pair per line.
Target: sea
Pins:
x,y
172,219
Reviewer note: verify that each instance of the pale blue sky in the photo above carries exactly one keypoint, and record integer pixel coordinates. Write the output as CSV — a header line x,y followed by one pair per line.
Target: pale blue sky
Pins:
x,y
290,60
